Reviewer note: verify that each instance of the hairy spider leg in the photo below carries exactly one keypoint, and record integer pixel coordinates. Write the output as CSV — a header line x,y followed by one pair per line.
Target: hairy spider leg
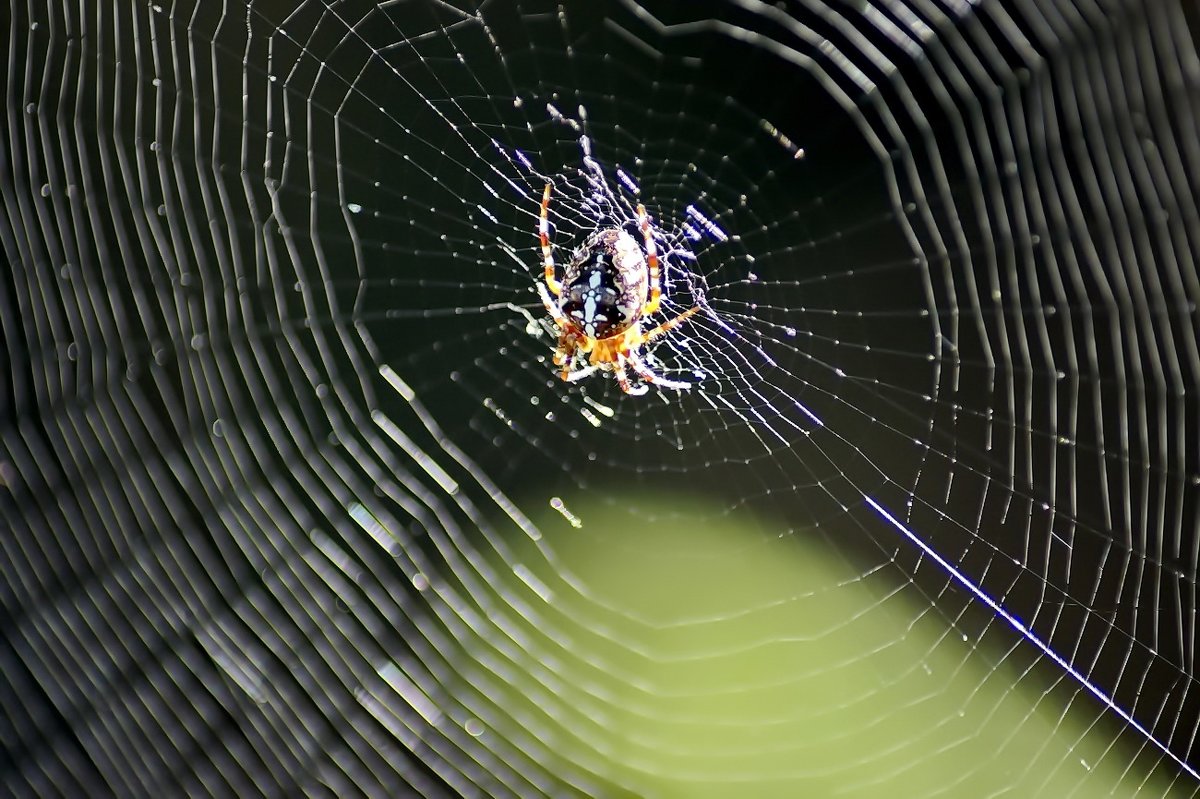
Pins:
x,y
544,237
579,374
665,326
646,373
564,354
560,319
569,346
643,220
623,380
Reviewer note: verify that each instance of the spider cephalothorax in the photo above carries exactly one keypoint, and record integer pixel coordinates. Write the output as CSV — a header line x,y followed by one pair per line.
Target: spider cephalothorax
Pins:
x,y
609,287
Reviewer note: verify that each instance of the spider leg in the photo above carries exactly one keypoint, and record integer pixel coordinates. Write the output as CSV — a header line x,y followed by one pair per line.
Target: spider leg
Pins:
x,y
651,305
564,354
552,308
665,326
579,374
646,373
623,380
544,237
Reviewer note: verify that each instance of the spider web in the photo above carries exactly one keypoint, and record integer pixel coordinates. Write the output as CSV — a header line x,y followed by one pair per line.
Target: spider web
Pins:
x,y
291,482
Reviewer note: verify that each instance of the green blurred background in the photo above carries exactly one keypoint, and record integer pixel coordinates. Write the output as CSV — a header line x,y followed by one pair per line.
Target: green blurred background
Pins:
x,y
713,660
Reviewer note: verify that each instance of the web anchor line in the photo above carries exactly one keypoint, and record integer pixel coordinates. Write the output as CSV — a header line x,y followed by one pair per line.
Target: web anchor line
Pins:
x,y
1029,635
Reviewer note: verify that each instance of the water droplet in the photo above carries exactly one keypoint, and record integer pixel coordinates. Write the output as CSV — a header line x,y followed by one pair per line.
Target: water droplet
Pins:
x,y
561,507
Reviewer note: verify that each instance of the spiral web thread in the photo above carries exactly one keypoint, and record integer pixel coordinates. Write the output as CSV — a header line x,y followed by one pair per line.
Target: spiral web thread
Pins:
x,y
282,406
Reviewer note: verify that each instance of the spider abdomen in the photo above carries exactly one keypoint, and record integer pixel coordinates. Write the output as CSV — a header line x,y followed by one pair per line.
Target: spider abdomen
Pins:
x,y
604,285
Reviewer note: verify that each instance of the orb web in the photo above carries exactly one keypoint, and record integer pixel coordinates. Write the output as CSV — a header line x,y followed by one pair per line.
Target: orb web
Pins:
x,y
284,423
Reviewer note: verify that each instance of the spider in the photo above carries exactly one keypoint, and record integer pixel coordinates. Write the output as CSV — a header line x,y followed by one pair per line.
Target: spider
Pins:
x,y
599,305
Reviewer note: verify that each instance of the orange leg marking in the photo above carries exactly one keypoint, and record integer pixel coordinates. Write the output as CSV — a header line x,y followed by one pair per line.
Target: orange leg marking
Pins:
x,y
544,237
652,260
665,326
